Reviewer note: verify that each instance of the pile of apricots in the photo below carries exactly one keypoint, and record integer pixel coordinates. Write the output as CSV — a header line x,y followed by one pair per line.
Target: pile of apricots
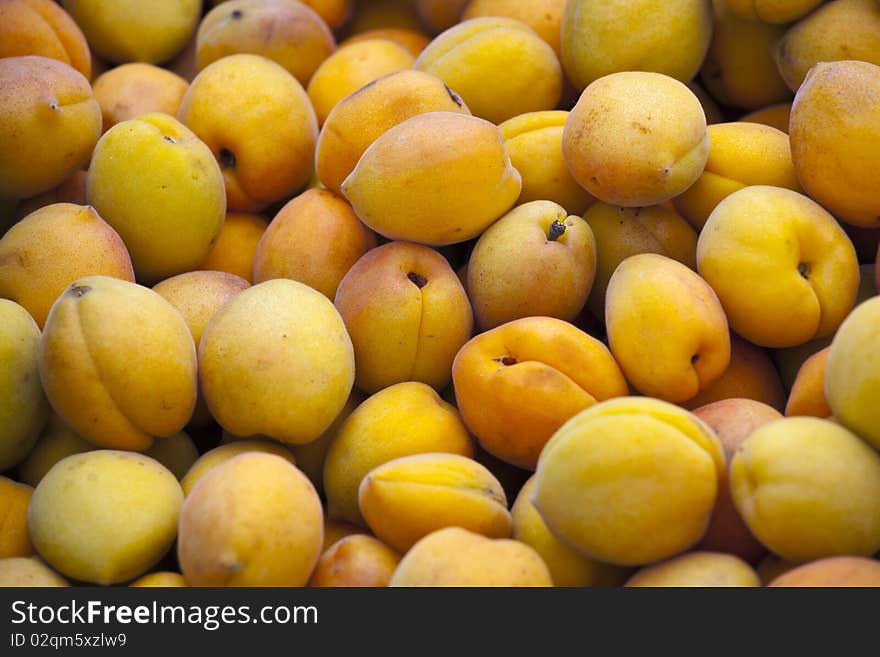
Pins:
x,y
439,293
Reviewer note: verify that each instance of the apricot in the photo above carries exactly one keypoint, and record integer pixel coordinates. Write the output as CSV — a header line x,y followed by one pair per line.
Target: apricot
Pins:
x,y
751,374
666,327
439,15
835,139
52,247
254,520
516,384
629,481
535,260
310,457
838,30
358,120
567,566
350,68
622,232
407,498
843,571
808,488
157,184
333,12
336,530
384,13
118,363
636,138
457,557
258,122
28,572
198,295
772,11
739,69
132,31
413,41
543,16
162,579
474,56
105,516
776,116
698,568
72,190
807,396
314,239
601,38
49,124
534,143
41,27
236,246
127,91
407,315
733,420
783,268
177,453
741,154
23,407
223,453
297,370
401,420
436,178
56,442
289,33
851,388
14,538
355,561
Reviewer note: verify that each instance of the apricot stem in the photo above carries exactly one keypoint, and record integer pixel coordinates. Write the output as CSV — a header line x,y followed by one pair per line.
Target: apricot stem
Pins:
x,y
557,230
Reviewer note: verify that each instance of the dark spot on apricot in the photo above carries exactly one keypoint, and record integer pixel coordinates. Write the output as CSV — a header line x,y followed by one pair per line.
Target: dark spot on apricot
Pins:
x,y
236,15
79,290
804,269
170,140
227,158
418,280
694,359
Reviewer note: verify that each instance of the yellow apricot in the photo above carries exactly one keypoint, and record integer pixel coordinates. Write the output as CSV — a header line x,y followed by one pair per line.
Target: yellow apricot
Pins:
x,y
49,124
289,33
636,138
740,154
254,520
474,58
407,498
436,178
664,36
808,488
457,557
358,120
118,363
23,406
629,481
401,420
276,360
835,139
783,268
666,327
534,142
105,516
352,67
